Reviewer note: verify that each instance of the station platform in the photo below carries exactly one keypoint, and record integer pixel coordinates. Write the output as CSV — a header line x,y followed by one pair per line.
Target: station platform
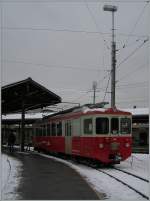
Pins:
x,y
47,179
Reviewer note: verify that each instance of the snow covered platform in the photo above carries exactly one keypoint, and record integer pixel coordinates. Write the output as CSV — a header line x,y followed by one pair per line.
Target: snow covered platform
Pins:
x,y
29,176
32,175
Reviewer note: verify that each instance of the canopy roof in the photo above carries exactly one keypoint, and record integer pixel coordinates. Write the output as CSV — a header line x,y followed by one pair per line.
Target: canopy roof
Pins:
x,y
28,93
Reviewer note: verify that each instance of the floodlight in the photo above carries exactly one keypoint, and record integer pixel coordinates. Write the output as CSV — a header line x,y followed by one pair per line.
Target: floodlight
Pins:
x,y
110,8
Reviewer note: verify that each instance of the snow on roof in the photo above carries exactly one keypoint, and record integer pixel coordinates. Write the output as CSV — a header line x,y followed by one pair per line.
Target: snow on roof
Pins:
x,y
86,109
138,111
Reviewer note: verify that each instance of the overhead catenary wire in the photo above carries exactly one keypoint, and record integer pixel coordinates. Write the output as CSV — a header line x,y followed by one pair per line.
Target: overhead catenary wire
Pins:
x,y
133,85
98,32
15,28
103,89
122,87
106,89
125,59
129,101
60,1
54,65
93,18
133,71
134,26
129,45
132,53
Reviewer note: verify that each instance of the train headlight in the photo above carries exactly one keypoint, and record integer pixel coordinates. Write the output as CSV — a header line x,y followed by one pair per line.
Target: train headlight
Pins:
x,y
101,145
127,144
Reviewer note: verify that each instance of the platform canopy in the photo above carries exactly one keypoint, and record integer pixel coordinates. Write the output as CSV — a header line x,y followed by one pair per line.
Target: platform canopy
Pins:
x,y
27,93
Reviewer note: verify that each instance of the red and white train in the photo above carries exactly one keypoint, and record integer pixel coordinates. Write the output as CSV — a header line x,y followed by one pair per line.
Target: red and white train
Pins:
x,y
102,135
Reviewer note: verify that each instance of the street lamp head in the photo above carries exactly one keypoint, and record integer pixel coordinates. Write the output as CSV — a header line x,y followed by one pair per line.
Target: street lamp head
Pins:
x,y
110,8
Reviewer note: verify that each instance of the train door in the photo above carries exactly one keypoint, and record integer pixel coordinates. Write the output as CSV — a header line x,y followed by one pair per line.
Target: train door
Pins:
x,y
68,137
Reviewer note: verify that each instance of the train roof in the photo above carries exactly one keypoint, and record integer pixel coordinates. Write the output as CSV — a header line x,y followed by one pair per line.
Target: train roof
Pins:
x,y
88,109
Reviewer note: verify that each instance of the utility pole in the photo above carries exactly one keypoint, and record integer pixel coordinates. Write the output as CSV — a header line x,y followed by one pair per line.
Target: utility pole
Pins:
x,y
94,90
113,9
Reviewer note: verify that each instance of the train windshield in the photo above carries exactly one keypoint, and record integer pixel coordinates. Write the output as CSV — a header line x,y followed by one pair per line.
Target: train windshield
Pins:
x,y
102,125
115,126
125,126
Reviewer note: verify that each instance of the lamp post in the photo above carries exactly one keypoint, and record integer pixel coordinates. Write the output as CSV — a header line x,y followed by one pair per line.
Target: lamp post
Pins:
x,y
112,9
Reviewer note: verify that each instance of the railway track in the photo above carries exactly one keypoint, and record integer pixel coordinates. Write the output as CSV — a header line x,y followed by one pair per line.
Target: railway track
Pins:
x,y
146,180
128,179
133,182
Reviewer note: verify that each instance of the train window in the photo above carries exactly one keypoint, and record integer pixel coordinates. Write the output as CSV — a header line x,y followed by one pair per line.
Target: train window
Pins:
x,y
53,129
40,131
76,127
88,126
68,128
36,131
44,130
102,125
59,129
114,126
48,129
125,126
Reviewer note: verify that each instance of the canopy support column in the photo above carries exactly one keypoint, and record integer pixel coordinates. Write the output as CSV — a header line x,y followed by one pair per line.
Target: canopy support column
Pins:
x,y
22,137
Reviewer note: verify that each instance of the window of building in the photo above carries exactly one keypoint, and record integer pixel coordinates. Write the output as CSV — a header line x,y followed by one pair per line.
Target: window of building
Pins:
x,y
102,125
88,126
125,126
114,126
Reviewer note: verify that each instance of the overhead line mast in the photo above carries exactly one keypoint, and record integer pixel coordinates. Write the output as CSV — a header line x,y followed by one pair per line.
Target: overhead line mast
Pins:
x,y
113,9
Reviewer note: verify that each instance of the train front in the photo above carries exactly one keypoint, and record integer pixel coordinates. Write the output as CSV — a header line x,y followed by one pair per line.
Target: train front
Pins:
x,y
116,143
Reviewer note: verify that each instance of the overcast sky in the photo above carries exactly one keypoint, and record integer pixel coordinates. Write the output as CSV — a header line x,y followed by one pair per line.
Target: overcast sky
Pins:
x,y
65,46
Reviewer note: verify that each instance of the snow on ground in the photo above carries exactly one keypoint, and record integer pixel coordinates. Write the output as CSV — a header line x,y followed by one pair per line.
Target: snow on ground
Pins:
x,y
102,183
11,169
137,164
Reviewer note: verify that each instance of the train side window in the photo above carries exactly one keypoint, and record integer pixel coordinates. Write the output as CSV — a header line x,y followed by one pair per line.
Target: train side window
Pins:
x,y
37,131
88,126
32,131
68,128
76,127
59,129
102,125
48,129
40,130
114,126
44,130
125,126
53,129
